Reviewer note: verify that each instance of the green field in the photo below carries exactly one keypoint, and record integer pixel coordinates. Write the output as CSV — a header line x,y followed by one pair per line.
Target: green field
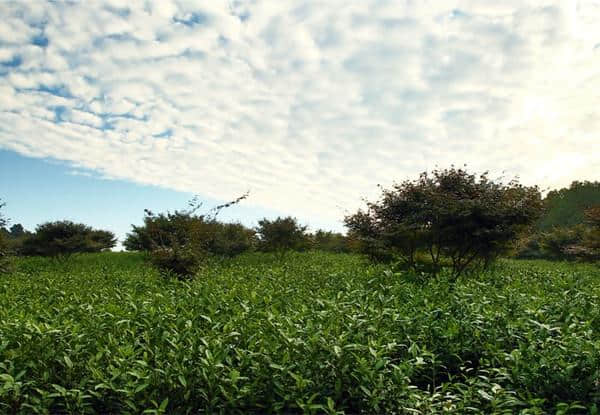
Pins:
x,y
315,333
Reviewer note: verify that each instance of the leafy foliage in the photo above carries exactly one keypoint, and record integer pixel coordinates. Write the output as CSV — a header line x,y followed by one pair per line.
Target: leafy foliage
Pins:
x,y
565,207
578,242
65,238
14,238
180,242
591,238
449,214
320,333
559,243
281,235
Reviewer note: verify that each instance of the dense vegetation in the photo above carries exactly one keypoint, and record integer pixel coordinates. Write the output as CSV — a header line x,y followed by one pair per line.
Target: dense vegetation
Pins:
x,y
3,241
66,238
565,207
281,235
318,333
569,228
448,215
180,242
58,238
248,326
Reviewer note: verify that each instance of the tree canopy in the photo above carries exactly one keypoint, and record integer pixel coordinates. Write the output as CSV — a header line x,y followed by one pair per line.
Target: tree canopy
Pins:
x,y
448,214
281,235
65,238
179,242
565,207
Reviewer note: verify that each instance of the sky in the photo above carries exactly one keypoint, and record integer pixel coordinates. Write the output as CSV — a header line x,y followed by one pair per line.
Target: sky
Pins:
x,y
110,107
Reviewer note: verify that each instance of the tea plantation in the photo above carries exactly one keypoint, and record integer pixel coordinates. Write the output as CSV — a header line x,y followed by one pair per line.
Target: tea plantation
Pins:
x,y
314,333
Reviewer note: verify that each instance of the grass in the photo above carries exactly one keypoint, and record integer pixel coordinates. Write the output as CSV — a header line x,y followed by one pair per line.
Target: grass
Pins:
x,y
318,333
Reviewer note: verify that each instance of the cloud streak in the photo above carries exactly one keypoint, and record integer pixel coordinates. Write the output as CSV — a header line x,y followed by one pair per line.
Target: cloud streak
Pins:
x,y
308,104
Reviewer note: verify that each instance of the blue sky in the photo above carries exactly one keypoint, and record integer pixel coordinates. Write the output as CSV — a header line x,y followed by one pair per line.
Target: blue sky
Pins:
x,y
41,190
307,104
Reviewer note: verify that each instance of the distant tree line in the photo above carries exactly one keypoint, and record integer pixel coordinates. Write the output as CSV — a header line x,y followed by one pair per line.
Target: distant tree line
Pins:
x,y
445,219
182,241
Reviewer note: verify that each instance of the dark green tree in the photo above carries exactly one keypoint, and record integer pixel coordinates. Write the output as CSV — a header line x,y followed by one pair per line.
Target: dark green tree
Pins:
x,y
62,238
281,235
180,242
16,231
450,215
565,207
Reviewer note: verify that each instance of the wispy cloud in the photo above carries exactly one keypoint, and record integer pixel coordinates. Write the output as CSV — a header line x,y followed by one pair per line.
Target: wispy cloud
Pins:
x,y
308,104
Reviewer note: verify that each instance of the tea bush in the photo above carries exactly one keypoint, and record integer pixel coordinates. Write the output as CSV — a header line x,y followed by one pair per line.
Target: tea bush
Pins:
x,y
317,333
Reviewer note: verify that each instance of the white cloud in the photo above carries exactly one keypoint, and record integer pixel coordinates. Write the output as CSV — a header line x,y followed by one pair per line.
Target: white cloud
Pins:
x,y
307,104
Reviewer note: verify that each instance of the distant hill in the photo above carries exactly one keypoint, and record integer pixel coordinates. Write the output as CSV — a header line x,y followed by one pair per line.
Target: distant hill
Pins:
x,y
566,206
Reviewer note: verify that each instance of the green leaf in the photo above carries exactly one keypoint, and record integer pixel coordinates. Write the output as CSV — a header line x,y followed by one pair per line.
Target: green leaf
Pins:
x,y
163,405
141,387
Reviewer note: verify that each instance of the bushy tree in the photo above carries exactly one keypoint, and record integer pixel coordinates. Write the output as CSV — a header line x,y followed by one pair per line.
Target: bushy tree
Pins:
x,y
179,242
281,235
592,216
450,215
231,239
181,228
65,237
561,243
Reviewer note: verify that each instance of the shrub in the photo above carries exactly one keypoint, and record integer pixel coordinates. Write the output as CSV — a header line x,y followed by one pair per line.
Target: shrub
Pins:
x,y
449,214
179,242
14,238
281,235
230,239
65,238
529,247
182,261
580,242
561,243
